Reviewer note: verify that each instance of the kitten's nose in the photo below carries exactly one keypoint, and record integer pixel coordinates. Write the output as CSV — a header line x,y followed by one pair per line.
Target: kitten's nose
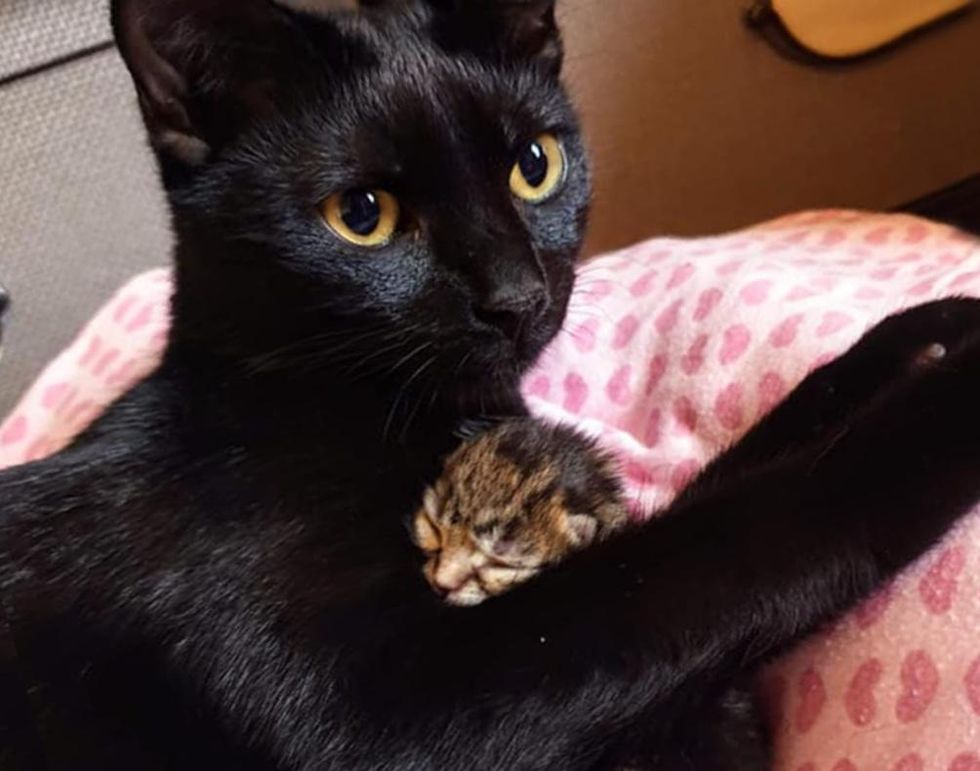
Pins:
x,y
449,576
447,584
511,308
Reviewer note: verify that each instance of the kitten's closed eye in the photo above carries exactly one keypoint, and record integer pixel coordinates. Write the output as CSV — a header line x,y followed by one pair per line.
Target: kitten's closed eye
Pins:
x,y
510,503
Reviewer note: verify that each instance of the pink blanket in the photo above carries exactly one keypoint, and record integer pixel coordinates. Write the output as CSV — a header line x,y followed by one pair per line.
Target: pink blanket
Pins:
x,y
672,350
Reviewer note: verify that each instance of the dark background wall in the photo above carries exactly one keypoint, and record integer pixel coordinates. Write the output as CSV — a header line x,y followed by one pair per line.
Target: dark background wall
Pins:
x,y
697,125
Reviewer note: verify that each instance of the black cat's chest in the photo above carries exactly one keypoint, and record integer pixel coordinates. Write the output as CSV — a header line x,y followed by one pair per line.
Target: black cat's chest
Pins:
x,y
221,576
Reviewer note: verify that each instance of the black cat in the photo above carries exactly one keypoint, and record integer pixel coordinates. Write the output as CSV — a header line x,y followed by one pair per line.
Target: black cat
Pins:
x,y
377,215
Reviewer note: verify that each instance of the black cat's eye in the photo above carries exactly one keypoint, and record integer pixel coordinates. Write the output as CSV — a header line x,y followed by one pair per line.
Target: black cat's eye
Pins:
x,y
362,217
539,169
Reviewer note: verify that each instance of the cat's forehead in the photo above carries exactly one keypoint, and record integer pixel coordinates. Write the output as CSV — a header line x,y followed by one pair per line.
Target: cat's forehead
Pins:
x,y
401,90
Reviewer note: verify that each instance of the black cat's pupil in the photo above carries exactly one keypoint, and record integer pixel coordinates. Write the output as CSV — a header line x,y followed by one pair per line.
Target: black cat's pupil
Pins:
x,y
361,211
534,164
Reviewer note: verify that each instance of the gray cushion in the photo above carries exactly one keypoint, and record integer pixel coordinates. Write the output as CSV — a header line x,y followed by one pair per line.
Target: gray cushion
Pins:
x,y
35,32
80,206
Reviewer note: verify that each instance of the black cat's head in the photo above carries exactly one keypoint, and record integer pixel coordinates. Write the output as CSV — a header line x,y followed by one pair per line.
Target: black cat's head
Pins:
x,y
397,190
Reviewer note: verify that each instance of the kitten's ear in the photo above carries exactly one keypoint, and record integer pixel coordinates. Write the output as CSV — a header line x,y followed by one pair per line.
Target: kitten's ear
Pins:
x,y
204,68
523,29
581,528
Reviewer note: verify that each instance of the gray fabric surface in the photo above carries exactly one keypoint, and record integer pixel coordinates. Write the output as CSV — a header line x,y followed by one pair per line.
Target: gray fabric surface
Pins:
x,y
80,206
34,32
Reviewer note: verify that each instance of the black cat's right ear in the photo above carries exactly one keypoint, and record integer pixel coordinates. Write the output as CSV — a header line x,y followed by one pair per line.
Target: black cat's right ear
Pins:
x,y
520,29
204,68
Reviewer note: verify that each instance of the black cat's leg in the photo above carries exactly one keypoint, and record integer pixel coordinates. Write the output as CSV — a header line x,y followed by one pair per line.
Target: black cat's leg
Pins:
x,y
824,403
730,735
702,594
726,733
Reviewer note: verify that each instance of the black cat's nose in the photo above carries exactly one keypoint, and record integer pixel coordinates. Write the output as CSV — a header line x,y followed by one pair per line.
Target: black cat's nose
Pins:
x,y
4,302
511,309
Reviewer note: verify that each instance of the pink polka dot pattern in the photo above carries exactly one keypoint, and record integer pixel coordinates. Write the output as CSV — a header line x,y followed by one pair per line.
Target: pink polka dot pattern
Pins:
x,y
576,392
813,697
728,407
539,386
968,761
667,320
671,350
920,682
683,473
910,762
938,587
656,372
626,329
680,275
643,284
707,302
772,390
14,430
833,322
654,427
618,388
735,341
686,414
971,681
120,345
860,698
694,358
786,331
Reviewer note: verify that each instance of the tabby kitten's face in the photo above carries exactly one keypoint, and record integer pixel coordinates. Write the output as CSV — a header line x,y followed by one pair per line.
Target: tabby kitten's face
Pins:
x,y
510,503
392,192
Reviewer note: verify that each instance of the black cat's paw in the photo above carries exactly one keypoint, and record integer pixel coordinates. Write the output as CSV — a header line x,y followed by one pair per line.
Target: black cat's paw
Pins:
x,y
903,345
920,336
898,350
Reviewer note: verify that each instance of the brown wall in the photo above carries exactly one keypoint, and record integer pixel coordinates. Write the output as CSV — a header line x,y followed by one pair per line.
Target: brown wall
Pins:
x,y
697,125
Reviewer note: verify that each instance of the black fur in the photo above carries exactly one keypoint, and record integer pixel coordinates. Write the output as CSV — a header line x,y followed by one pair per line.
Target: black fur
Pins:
x,y
216,575
4,306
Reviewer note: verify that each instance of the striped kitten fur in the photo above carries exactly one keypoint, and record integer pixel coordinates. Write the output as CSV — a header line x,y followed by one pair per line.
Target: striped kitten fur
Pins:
x,y
510,503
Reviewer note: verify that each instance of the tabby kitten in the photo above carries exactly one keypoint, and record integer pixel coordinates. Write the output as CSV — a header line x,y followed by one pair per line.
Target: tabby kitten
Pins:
x,y
510,503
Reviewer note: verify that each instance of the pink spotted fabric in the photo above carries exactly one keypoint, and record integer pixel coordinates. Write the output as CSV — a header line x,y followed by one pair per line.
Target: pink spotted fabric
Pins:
x,y
672,350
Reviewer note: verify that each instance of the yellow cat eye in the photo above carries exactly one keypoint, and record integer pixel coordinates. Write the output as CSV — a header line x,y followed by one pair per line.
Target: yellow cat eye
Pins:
x,y
539,170
362,217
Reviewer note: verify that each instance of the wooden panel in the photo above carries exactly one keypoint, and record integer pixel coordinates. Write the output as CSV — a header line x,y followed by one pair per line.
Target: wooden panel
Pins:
x,y
698,126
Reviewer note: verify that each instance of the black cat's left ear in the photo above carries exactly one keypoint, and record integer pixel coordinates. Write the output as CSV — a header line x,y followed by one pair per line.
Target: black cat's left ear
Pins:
x,y
518,29
205,69
532,31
